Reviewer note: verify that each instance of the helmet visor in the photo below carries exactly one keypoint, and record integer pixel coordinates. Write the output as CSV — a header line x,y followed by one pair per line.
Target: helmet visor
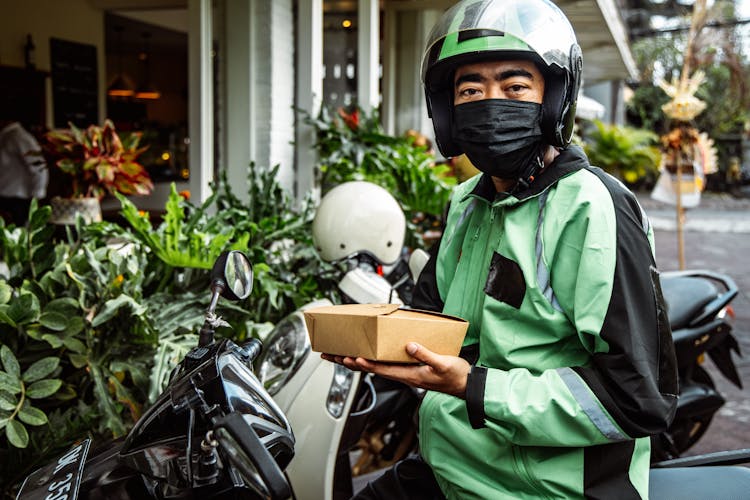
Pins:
x,y
475,26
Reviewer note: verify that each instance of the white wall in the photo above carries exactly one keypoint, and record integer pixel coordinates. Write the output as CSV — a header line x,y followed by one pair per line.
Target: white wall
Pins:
x,y
258,86
404,101
274,86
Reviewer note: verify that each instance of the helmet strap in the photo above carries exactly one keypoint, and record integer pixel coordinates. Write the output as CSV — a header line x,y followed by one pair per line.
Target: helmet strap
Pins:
x,y
528,175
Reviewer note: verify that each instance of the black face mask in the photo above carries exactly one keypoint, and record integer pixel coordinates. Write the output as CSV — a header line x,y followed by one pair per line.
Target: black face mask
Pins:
x,y
501,137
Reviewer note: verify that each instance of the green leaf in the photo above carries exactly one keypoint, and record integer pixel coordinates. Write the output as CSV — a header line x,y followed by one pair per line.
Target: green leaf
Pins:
x,y
6,291
24,309
4,315
40,369
74,345
32,416
38,217
3,422
16,434
65,305
54,321
10,363
113,305
53,340
43,388
169,352
8,402
78,360
66,393
111,418
9,383
75,326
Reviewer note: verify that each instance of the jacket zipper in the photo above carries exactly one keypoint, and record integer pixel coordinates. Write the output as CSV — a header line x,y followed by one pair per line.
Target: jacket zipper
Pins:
x,y
482,261
521,468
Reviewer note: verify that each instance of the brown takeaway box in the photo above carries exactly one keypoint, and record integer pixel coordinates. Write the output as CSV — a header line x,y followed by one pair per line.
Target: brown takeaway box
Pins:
x,y
381,331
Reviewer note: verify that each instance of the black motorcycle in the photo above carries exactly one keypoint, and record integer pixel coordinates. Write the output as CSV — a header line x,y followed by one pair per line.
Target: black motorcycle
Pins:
x,y
699,312
213,433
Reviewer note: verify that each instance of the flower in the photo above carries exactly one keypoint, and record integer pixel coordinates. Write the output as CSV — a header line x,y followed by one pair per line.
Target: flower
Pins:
x,y
99,161
350,119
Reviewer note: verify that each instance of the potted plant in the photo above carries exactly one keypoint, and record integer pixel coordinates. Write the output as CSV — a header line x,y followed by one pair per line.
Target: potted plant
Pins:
x,y
99,163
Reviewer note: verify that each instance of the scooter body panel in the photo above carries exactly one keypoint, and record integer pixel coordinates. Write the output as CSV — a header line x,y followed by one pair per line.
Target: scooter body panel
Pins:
x,y
317,432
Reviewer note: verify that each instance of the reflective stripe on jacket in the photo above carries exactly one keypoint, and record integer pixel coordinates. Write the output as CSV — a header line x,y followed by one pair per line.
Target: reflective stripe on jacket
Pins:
x,y
575,364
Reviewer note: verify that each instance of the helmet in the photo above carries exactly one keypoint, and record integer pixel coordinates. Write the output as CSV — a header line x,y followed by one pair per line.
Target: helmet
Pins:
x,y
480,30
359,217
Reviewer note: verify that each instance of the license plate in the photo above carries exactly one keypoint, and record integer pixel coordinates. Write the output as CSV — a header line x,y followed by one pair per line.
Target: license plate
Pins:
x,y
60,479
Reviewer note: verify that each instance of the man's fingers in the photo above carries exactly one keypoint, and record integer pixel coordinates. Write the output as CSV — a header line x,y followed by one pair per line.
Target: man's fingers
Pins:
x,y
421,353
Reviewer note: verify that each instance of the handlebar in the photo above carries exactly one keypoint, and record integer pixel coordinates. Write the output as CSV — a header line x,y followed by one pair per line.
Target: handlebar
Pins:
x,y
247,453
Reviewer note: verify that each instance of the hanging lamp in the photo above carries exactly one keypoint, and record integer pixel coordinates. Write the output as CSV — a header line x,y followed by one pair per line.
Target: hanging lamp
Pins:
x,y
119,86
146,90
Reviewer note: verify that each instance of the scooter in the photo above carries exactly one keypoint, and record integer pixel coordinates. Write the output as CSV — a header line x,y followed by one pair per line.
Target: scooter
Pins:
x,y
717,476
213,433
349,426
699,313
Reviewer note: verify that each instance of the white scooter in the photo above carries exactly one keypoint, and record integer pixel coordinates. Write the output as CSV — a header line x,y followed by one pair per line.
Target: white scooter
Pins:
x,y
347,425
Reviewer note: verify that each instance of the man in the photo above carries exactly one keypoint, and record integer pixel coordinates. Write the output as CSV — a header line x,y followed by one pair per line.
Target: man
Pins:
x,y
23,171
568,365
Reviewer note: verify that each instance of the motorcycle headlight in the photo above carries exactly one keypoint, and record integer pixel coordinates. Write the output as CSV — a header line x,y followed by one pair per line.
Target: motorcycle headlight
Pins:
x,y
285,349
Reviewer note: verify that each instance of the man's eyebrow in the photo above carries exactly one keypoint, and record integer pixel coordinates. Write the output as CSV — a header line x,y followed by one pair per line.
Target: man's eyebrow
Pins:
x,y
504,75
513,72
469,77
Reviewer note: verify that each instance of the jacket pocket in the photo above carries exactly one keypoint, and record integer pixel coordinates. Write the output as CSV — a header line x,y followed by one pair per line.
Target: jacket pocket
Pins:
x,y
505,281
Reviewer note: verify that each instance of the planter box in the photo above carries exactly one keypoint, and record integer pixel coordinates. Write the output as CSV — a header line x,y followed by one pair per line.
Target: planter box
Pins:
x,y
64,210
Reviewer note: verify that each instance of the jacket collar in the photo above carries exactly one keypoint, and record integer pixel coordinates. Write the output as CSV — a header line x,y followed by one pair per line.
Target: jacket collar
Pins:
x,y
569,160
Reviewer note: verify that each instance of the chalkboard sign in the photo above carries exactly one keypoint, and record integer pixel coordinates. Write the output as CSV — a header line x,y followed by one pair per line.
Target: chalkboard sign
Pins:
x,y
75,83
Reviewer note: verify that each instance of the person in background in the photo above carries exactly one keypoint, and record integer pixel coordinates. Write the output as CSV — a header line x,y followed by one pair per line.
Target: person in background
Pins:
x,y
568,364
23,170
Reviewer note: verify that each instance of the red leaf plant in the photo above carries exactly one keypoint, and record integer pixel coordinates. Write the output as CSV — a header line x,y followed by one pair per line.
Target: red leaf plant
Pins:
x,y
99,160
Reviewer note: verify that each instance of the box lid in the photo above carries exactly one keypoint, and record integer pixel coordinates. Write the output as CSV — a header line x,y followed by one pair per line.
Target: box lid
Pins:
x,y
356,309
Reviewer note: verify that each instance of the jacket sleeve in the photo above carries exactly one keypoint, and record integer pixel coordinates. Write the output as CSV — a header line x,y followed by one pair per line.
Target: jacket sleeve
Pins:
x,y
608,289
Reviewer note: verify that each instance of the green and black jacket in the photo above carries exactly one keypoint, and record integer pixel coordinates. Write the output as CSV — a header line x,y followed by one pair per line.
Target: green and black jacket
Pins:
x,y
573,360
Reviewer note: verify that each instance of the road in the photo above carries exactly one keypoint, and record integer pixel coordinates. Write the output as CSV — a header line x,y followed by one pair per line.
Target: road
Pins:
x,y
716,237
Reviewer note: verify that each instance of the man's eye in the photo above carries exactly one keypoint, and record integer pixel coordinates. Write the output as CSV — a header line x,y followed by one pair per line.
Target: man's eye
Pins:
x,y
516,88
469,92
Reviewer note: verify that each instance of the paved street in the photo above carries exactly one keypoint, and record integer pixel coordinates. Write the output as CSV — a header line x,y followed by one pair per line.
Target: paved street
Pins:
x,y
717,237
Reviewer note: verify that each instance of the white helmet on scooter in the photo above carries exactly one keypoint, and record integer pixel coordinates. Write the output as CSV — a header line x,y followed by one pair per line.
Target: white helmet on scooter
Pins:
x,y
359,217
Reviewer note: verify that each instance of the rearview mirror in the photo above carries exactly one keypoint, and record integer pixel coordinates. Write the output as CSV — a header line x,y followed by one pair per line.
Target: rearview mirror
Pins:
x,y
234,271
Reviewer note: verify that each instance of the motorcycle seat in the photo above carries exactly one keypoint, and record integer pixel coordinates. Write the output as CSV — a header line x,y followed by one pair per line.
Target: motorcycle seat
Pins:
x,y
699,483
686,296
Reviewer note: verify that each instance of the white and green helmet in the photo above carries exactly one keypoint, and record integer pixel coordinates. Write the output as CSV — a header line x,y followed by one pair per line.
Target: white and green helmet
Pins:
x,y
480,30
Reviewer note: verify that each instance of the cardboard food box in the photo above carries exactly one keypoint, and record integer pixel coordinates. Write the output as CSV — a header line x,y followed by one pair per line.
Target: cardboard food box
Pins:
x,y
381,331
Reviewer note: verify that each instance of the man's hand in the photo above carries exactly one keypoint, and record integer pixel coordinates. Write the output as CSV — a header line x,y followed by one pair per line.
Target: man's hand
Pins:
x,y
437,372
